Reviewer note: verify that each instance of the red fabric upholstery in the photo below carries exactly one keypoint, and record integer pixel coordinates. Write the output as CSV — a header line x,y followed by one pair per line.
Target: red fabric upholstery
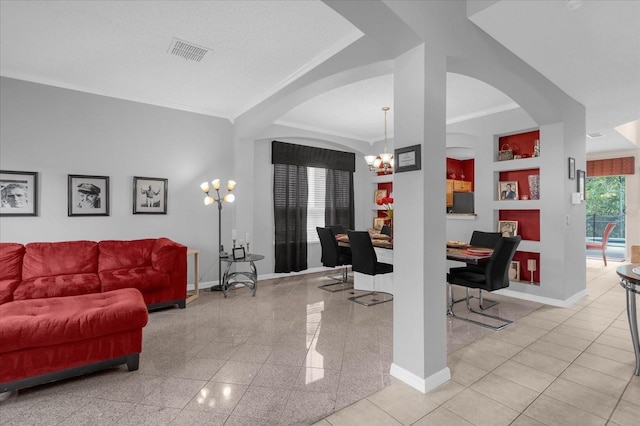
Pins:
x,y
38,336
142,278
155,266
57,286
11,255
124,254
60,258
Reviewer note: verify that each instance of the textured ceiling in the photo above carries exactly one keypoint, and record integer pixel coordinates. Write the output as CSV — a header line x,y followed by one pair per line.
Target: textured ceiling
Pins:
x,y
119,49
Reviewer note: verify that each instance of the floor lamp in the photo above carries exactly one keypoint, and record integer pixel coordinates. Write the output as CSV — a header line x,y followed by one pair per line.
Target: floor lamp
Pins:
x,y
208,200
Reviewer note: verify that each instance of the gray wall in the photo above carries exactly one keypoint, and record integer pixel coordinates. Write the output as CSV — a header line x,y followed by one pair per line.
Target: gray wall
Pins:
x,y
58,132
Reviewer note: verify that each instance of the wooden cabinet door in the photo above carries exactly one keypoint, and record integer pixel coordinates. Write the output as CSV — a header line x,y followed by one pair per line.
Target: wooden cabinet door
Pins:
x,y
449,192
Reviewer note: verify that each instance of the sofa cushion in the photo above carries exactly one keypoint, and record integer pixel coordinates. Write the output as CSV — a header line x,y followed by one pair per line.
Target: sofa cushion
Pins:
x,y
164,254
57,286
143,278
11,260
45,322
60,258
7,287
116,254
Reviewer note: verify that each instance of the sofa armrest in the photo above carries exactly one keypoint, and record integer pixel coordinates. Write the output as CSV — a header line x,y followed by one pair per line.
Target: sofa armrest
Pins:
x,y
165,253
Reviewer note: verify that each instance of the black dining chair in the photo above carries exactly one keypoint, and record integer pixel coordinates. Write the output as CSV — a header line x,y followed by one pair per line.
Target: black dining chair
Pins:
x,y
479,239
333,257
365,261
494,277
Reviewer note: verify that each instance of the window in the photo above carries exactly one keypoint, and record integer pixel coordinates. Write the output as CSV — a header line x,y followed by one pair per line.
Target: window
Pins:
x,y
316,201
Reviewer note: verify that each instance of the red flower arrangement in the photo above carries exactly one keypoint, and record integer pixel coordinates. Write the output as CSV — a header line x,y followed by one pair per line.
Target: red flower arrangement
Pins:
x,y
387,202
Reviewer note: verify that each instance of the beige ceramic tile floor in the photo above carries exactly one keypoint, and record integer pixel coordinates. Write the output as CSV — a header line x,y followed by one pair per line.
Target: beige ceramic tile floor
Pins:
x,y
555,366
297,355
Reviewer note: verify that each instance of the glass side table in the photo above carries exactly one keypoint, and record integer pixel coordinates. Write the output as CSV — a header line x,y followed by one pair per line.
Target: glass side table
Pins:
x,y
248,278
630,281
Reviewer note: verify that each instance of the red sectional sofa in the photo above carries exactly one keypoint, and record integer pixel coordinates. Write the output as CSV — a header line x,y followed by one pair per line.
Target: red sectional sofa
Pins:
x,y
68,308
157,267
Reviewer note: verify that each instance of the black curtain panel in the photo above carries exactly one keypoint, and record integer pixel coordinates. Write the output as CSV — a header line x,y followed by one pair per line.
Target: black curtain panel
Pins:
x,y
339,209
290,193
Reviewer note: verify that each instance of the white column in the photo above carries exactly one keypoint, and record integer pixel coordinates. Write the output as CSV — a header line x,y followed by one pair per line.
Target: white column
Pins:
x,y
419,327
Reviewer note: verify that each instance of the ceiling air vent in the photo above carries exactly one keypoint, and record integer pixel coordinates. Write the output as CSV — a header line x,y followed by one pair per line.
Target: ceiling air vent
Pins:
x,y
186,50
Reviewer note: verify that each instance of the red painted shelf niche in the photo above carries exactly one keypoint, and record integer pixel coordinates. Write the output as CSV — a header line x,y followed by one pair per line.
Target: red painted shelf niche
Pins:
x,y
520,176
522,144
525,275
528,222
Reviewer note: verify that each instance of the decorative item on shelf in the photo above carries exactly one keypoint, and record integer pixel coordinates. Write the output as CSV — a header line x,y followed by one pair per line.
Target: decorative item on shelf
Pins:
x,y
387,203
508,190
534,186
379,194
508,228
531,267
505,153
536,148
382,163
514,270
208,200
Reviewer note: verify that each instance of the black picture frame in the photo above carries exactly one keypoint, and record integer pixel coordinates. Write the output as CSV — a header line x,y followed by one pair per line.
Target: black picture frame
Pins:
x,y
572,168
582,181
238,253
18,193
150,195
408,158
88,195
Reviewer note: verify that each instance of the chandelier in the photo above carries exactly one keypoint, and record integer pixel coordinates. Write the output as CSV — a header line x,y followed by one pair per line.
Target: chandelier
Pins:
x,y
382,163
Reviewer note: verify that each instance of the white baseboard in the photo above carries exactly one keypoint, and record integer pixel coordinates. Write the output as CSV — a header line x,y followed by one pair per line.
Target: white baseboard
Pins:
x,y
541,299
424,385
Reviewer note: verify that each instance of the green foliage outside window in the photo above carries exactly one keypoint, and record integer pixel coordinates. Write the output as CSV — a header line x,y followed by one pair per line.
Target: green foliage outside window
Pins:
x,y
605,195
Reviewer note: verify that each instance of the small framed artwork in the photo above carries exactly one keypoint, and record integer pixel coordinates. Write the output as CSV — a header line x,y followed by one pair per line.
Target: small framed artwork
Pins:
x,y
581,184
379,194
19,193
407,158
514,270
238,253
88,195
150,195
572,168
508,228
508,190
378,223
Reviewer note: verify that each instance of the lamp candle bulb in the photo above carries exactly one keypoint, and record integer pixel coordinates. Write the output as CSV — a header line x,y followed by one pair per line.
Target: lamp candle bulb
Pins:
x,y
216,184
231,184
234,234
205,187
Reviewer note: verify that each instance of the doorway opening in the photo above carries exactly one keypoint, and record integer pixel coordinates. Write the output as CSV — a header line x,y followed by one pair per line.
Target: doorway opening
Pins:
x,y
606,204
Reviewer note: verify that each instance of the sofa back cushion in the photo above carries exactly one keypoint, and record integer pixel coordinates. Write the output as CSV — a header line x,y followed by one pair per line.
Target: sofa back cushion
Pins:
x,y
10,269
11,261
116,254
60,258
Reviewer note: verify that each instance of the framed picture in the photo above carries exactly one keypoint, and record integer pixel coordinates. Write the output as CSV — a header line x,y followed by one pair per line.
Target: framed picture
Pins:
x,y
514,270
378,194
508,228
581,184
508,190
378,223
88,195
407,158
149,195
238,253
18,193
572,168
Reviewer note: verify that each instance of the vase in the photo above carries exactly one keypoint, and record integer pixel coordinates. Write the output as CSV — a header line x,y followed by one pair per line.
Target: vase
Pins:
x,y
534,187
